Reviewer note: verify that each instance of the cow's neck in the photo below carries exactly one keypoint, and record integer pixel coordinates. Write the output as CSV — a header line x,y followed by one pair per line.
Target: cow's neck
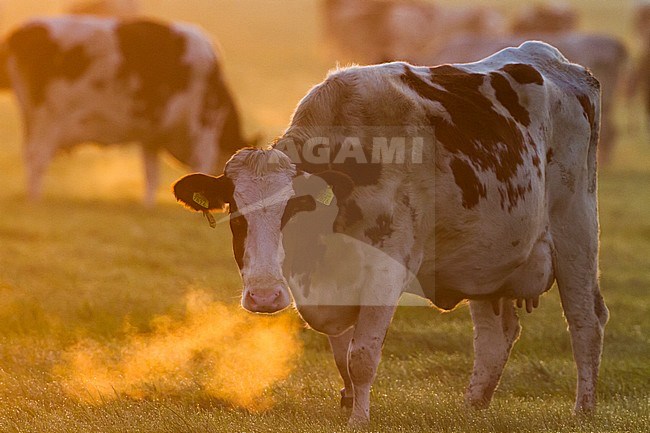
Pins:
x,y
231,138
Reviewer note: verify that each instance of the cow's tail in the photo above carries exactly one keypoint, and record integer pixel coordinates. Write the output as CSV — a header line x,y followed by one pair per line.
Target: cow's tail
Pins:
x,y
592,155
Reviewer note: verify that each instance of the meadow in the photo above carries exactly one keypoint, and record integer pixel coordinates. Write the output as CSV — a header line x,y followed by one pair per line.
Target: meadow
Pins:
x,y
117,318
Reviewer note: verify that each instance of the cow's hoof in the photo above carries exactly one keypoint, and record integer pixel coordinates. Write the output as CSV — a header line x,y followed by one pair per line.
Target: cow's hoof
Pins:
x,y
477,403
585,406
346,402
358,422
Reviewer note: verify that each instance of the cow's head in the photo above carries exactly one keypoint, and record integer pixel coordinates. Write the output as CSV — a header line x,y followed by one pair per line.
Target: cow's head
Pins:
x,y
262,191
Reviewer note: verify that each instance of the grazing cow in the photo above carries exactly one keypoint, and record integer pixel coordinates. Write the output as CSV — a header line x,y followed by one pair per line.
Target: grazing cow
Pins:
x,y
639,78
84,79
605,56
373,31
642,19
479,179
107,8
545,18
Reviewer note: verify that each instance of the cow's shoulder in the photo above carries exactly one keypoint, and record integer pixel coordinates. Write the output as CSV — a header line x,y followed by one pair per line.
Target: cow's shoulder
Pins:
x,y
31,35
42,55
347,110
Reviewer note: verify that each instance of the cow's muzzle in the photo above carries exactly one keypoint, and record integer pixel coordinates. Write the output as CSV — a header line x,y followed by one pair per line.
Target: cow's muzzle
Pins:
x,y
265,300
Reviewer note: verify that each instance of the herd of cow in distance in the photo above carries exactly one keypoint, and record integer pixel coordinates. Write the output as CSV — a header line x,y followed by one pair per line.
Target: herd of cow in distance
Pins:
x,y
473,180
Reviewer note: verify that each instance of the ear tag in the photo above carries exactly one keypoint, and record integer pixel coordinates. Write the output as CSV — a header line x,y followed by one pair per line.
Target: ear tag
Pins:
x,y
201,200
325,196
210,219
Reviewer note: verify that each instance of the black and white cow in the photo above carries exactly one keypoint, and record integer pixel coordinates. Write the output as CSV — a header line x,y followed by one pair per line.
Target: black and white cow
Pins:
x,y
84,79
106,8
545,18
372,31
638,80
466,181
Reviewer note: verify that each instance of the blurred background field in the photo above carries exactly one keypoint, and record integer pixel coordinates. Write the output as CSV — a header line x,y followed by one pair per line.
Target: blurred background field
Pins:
x,y
90,264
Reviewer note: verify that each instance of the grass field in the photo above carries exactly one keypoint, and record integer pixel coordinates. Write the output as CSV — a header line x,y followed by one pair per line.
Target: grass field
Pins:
x,y
114,318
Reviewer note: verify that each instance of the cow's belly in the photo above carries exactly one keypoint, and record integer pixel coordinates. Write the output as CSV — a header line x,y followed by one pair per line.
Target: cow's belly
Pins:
x,y
98,128
535,276
73,115
448,282
489,251
77,112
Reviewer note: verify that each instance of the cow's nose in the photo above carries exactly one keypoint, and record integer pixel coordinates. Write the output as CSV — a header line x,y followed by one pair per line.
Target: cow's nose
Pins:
x,y
263,297
264,301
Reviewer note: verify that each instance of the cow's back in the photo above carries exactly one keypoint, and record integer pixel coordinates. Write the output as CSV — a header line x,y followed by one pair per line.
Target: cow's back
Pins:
x,y
45,50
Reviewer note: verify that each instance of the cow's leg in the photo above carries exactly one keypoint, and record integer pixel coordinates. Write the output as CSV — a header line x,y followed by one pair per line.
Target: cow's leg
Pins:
x,y
584,308
365,352
340,347
574,227
494,336
151,175
38,154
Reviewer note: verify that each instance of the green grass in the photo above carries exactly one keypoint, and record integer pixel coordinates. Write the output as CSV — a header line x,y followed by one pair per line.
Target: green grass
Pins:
x,y
90,263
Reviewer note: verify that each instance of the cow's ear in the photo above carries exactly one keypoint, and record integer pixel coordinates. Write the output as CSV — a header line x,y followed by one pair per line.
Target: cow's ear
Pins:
x,y
201,192
341,183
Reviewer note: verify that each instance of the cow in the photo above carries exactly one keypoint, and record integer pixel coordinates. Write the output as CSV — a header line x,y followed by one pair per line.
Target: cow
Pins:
x,y
86,79
604,55
638,80
478,180
545,18
642,19
107,8
371,31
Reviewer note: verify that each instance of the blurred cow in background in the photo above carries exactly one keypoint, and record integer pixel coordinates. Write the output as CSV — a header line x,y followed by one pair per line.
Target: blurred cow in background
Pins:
x,y
642,19
372,31
639,79
605,56
545,18
642,81
86,79
109,8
